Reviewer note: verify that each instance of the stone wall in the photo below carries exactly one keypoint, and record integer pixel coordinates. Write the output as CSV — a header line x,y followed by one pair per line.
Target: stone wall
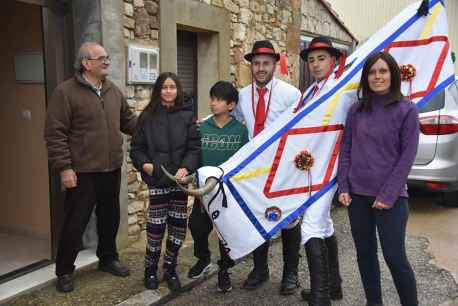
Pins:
x,y
276,20
280,21
316,19
141,25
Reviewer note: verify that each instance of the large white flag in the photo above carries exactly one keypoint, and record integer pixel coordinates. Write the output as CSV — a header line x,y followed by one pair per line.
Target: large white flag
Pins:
x,y
263,178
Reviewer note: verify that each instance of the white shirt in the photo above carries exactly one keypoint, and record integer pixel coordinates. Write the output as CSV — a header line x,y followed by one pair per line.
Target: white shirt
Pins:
x,y
283,96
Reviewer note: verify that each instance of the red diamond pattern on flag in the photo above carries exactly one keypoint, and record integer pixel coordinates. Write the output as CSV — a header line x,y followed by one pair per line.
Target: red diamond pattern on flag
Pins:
x,y
438,66
269,193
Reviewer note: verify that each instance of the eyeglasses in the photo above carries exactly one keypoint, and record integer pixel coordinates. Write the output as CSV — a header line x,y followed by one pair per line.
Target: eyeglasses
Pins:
x,y
101,59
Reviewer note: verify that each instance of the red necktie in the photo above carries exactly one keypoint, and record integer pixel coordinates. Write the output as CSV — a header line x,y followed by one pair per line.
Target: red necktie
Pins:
x,y
260,117
314,90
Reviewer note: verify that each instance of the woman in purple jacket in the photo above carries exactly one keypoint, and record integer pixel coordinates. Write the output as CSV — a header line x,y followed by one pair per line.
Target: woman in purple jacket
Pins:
x,y
379,147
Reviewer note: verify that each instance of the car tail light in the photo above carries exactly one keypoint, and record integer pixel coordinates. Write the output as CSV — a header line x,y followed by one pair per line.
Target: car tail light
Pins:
x,y
438,125
436,185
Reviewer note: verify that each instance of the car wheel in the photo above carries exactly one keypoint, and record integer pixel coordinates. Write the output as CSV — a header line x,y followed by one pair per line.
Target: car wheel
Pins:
x,y
449,199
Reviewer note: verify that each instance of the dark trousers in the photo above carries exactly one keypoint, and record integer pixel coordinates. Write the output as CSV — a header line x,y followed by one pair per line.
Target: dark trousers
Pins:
x,y
201,227
101,190
291,240
391,227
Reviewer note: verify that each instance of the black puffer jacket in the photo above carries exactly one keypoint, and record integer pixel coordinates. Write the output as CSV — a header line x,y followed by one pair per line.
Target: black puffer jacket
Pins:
x,y
171,138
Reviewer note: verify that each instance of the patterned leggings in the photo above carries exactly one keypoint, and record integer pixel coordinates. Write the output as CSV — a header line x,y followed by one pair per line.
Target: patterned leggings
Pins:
x,y
168,207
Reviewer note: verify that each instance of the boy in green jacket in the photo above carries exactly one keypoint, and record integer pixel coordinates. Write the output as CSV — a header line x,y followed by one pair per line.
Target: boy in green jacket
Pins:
x,y
221,136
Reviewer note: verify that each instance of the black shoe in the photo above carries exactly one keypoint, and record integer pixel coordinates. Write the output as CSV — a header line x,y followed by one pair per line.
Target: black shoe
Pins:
x,y
201,268
151,281
114,267
256,279
289,283
372,304
224,281
65,283
335,295
172,280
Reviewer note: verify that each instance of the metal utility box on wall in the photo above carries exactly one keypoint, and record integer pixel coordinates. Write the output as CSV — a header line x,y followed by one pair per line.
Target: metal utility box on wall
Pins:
x,y
29,67
142,64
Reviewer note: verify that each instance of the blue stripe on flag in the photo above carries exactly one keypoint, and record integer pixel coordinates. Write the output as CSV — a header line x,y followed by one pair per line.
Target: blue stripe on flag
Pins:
x,y
435,91
267,235
246,210
322,99
295,120
315,197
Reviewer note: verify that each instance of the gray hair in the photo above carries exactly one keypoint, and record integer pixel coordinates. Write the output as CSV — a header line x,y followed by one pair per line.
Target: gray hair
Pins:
x,y
83,53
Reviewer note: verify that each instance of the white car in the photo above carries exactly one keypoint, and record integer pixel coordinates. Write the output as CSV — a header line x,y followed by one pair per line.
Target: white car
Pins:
x,y
436,165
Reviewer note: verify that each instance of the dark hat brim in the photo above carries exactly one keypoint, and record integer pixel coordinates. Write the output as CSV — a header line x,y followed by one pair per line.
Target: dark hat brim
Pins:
x,y
333,51
249,56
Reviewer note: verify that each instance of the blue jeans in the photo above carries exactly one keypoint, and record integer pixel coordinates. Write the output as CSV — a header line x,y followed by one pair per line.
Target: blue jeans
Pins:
x,y
391,228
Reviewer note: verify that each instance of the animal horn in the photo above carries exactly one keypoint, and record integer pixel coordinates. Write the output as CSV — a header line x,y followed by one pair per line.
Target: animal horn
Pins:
x,y
210,183
184,180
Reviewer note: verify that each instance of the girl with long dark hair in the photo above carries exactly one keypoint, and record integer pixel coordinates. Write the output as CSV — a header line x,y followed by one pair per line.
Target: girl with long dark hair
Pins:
x,y
379,147
166,135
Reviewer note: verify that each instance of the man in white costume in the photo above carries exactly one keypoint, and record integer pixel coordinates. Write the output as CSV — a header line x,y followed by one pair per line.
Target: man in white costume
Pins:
x,y
260,104
317,226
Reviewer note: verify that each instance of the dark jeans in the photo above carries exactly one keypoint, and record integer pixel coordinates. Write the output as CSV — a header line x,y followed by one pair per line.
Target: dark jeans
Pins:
x,y
101,190
391,228
201,227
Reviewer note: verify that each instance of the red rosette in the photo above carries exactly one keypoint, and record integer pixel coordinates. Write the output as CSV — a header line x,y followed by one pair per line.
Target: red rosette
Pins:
x,y
304,160
408,72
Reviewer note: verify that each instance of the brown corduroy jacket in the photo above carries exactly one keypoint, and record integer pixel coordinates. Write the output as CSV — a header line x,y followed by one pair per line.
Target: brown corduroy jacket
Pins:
x,y
83,130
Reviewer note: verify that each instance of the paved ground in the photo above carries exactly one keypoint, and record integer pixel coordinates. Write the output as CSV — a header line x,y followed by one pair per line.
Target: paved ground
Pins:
x,y
94,288
439,225
429,257
435,286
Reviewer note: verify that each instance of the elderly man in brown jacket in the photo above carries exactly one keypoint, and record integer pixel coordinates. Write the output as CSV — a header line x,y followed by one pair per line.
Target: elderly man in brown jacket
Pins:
x,y
85,118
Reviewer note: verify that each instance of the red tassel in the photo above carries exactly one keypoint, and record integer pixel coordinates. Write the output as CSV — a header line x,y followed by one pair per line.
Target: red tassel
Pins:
x,y
341,68
283,64
410,89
